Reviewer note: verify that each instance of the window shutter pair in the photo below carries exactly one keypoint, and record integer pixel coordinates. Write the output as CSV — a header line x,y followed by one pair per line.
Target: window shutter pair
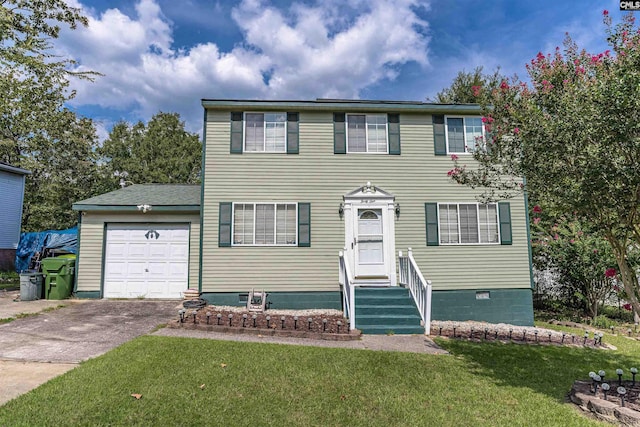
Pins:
x,y
431,220
226,218
340,134
237,129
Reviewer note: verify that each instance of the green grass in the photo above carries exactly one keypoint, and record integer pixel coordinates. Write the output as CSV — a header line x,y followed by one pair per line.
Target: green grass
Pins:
x,y
9,280
480,384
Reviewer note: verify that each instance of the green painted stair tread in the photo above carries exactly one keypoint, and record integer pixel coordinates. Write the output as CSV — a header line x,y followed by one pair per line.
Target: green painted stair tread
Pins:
x,y
391,330
388,320
405,309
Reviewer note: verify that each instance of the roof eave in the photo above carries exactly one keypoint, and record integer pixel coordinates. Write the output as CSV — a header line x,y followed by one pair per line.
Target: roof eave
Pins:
x,y
340,105
134,208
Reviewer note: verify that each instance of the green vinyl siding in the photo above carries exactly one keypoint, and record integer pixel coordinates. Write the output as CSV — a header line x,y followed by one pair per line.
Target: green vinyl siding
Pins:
x,y
318,176
90,258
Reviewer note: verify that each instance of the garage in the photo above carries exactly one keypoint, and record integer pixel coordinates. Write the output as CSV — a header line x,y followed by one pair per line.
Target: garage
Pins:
x,y
140,241
146,260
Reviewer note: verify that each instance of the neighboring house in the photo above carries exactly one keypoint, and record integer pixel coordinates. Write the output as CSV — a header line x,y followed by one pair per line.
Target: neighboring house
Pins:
x,y
289,184
11,198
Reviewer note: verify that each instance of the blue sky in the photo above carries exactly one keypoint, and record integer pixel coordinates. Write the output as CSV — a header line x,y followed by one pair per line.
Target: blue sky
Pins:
x,y
165,55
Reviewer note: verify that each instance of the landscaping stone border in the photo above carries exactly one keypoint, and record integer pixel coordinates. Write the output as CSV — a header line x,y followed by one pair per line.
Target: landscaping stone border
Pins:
x,y
606,410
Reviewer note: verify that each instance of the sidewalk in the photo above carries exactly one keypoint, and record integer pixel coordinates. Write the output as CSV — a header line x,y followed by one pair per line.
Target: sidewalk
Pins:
x,y
404,343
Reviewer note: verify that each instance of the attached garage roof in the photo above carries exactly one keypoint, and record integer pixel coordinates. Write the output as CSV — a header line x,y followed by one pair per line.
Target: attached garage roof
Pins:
x,y
159,197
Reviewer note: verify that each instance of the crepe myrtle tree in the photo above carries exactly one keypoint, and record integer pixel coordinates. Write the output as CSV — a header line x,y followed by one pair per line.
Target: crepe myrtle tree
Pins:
x,y
583,262
573,133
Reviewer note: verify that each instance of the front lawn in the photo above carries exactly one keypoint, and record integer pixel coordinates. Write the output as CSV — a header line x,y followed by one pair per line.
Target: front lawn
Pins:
x,y
201,382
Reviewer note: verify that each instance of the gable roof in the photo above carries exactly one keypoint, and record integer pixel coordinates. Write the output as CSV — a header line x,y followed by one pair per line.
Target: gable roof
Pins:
x,y
13,169
162,197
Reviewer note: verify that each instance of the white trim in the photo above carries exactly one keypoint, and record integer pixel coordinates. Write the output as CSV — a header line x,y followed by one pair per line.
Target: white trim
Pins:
x,y
275,231
366,130
264,128
464,132
499,242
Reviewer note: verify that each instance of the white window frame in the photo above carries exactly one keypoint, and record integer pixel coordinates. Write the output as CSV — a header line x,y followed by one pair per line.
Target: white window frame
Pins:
x,y
459,243
464,133
264,137
366,130
275,223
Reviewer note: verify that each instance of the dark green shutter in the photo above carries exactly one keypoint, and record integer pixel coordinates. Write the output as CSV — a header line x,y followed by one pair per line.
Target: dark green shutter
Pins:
x,y
236,133
431,220
304,224
224,224
339,134
504,213
393,131
292,133
439,141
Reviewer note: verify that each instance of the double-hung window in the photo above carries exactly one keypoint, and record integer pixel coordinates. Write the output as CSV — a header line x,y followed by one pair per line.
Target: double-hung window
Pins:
x,y
367,133
265,132
464,134
265,224
468,223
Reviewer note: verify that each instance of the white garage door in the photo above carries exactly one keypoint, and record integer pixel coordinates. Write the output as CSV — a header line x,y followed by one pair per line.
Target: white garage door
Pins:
x,y
146,260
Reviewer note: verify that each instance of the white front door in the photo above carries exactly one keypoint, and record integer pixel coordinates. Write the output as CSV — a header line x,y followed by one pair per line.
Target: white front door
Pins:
x,y
146,260
369,244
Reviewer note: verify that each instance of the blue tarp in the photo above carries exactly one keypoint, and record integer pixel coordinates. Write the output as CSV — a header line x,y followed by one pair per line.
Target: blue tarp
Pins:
x,y
39,241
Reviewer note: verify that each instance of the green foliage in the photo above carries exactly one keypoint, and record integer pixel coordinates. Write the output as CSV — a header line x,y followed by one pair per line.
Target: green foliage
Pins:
x,y
468,88
574,133
603,322
36,131
160,152
254,384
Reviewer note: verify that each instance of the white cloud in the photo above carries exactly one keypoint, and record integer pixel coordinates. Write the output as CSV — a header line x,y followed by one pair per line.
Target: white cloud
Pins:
x,y
303,52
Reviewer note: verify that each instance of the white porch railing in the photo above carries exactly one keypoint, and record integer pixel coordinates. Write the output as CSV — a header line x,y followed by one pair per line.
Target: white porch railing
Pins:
x,y
411,277
348,291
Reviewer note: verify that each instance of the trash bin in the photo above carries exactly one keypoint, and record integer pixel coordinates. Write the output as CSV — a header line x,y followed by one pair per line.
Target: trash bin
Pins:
x,y
58,273
30,286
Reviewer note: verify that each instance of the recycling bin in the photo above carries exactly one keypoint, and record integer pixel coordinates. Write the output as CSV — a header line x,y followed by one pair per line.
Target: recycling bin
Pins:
x,y
30,286
58,276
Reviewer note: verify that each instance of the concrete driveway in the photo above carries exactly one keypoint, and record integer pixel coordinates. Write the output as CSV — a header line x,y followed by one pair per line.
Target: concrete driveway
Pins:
x,y
37,348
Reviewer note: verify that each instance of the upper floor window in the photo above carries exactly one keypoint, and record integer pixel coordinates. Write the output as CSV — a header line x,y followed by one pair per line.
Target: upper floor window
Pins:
x,y
367,133
265,224
468,223
464,134
265,132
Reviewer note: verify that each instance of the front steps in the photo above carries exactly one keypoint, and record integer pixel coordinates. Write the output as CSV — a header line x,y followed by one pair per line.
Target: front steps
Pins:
x,y
386,310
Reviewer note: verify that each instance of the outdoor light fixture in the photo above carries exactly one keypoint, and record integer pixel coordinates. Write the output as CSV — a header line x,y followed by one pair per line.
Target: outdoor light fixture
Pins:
x,y
601,374
562,340
181,314
573,338
549,336
454,330
524,334
341,210
254,317
244,320
194,314
309,320
397,210
586,335
605,389
596,380
629,331
268,321
219,316
510,332
619,372
622,391
295,322
339,323
282,321
592,375
440,330
486,331
634,371
495,334
208,316
535,332
144,208
230,318
471,333
324,325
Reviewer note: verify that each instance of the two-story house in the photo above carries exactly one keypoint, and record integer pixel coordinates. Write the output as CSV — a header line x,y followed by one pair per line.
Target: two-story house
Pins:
x,y
288,185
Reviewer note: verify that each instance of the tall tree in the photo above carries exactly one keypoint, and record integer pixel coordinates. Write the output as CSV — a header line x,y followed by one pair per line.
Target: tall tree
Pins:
x,y
161,151
469,88
574,133
36,131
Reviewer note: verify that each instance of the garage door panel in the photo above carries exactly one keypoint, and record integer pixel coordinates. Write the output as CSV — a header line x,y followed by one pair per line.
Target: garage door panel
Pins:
x,y
146,260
